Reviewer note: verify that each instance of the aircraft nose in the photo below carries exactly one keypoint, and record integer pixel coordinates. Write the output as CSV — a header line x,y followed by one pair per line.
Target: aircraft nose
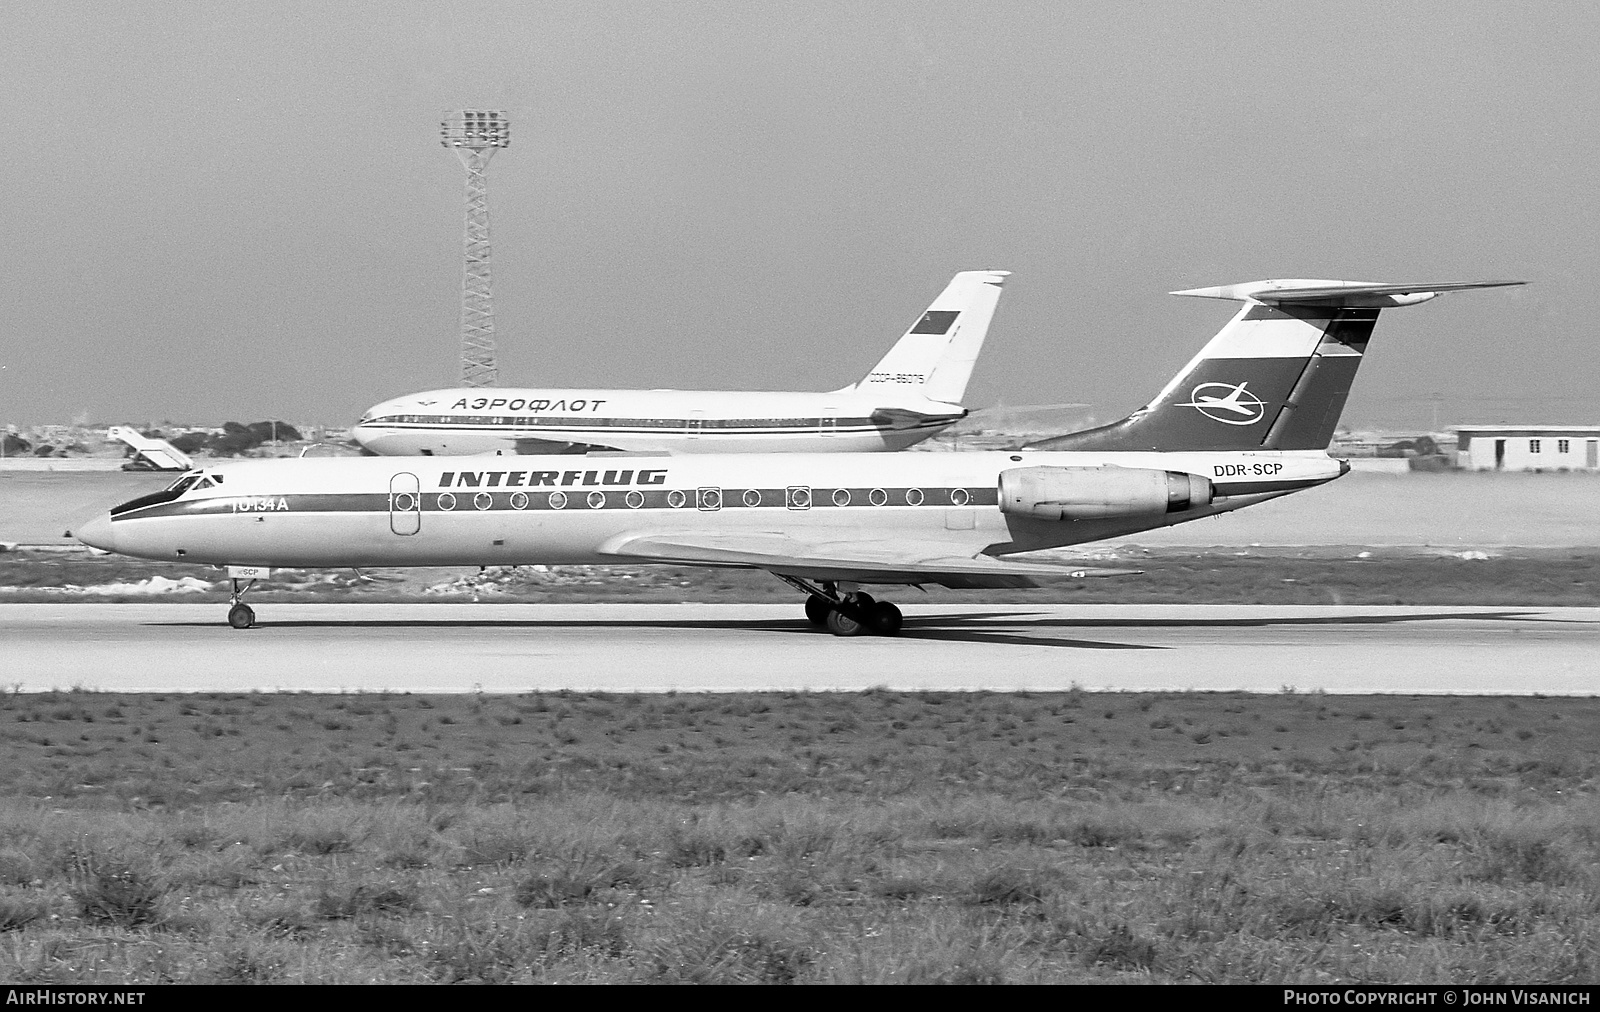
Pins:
x,y
361,432
96,533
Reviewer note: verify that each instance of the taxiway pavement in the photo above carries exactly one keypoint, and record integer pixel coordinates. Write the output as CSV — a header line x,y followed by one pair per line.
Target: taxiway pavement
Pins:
x,y
500,648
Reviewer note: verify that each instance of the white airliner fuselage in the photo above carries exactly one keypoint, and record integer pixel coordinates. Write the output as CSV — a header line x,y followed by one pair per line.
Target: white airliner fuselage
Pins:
x,y
914,391
724,510
468,421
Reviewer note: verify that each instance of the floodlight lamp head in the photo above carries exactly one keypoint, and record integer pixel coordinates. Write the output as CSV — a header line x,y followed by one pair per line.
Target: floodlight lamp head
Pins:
x,y
475,129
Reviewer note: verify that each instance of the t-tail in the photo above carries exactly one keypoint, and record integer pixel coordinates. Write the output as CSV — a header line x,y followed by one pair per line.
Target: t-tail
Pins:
x,y
934,359
1275,378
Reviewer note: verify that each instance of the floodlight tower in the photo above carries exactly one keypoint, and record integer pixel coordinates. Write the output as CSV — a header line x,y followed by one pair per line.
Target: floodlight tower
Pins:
x,y
475,135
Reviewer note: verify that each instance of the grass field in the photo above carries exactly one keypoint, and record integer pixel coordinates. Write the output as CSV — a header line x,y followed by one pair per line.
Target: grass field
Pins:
x,y
878,836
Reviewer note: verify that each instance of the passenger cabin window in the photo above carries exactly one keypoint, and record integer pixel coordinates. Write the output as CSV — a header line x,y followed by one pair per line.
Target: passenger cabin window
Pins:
x,y
1534,445
1563,446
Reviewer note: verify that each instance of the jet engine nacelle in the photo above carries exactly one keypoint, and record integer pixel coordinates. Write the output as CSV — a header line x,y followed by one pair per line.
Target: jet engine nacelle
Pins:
x,y
1097,493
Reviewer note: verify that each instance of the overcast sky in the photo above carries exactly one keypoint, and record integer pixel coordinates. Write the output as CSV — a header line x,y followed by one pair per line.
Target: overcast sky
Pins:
x,y
241,211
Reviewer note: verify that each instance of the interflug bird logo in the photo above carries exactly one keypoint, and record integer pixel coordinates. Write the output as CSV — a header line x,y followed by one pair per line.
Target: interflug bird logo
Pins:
x,y
1228,403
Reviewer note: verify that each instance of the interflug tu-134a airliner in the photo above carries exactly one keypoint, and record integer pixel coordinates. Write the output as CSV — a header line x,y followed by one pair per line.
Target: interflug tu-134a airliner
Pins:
x,y
912,393
1247,420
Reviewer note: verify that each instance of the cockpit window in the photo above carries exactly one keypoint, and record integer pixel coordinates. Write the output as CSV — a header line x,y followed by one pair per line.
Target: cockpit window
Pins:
x,y
182,484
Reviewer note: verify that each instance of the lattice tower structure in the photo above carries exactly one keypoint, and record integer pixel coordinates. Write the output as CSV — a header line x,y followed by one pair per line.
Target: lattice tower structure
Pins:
x,y
475,135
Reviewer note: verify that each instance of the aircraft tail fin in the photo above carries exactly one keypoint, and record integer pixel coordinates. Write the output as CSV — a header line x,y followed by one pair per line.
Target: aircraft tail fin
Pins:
x,y
935,357
1274,378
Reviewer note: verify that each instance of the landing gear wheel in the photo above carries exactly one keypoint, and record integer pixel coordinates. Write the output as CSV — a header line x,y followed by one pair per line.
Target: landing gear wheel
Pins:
x,y
884,618
845,614
240,616
817,608
842,624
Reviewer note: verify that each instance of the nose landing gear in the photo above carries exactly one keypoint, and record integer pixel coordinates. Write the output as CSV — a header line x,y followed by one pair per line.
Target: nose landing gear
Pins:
x,y
845,614
241,615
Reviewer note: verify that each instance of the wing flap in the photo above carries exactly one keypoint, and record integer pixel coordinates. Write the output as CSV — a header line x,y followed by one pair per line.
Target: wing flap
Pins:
x,y
879,562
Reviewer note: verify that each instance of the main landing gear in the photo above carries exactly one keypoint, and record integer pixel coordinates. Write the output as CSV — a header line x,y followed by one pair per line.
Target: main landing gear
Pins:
x,y
241,615
845,614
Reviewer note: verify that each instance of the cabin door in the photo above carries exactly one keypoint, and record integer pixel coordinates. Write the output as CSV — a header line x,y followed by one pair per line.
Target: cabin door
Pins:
x,y
828,424
696,420
405,504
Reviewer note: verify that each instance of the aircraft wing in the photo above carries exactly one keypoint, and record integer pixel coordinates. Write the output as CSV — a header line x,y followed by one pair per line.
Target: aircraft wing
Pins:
x,y
906,418
878,562
534,446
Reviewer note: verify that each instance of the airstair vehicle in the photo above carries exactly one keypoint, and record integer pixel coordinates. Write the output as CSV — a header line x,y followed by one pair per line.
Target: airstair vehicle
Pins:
x,y
150,454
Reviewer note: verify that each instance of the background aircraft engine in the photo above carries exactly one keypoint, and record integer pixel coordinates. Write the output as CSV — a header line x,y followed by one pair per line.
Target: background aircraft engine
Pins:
x,y
1095,493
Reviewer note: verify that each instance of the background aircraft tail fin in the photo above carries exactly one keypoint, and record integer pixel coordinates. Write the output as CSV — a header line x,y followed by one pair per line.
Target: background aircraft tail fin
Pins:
x,y
935,357
1274,378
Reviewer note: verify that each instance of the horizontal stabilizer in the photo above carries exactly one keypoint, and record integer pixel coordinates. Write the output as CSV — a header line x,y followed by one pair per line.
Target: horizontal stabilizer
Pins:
x,y
879,562
1275,377
1337,293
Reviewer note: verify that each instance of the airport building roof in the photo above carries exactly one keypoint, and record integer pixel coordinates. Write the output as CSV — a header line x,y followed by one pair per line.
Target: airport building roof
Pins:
x,y
1478,430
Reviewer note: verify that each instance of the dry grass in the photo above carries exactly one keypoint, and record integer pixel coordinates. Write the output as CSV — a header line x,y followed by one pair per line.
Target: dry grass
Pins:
x,y
178,750
923,837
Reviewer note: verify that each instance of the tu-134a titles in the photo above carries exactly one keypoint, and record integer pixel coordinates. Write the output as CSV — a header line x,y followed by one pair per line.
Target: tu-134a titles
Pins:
x,y
1247,420
912,393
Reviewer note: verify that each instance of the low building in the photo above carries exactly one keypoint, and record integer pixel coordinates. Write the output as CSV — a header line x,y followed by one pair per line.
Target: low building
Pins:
x,y
1528,447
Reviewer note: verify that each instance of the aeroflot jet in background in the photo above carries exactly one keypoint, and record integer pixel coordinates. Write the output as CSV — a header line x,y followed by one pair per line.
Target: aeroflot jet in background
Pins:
x,y
1248,419
912,393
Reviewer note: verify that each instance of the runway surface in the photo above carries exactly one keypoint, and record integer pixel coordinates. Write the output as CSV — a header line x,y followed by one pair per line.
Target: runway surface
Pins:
x,y
656,648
